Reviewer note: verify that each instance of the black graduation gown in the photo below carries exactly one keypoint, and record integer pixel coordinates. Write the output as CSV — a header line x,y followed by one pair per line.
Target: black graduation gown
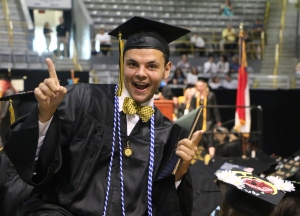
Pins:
x,y
13,190
212,117
73,162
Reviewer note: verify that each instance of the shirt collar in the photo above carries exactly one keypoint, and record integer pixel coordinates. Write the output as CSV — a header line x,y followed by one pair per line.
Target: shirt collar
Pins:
x,y
125,94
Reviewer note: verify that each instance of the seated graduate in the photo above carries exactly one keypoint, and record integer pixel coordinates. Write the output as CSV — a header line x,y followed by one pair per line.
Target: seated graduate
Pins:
x,y
92,150
227,144
248,194
13,190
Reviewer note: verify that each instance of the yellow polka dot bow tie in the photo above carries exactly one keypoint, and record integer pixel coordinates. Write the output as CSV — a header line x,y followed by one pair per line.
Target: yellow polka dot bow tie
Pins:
x,y
131,107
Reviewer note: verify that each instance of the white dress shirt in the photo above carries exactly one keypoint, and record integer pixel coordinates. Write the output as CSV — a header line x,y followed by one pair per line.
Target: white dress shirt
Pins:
x,y
210,67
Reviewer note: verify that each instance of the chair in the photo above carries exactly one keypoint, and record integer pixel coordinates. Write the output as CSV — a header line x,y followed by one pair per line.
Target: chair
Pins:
x,y
33,57
100,67
19,56
47,55
5,55
113,67
103,77
6,65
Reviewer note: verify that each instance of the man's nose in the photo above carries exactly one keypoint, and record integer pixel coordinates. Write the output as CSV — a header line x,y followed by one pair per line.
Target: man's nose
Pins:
x,y
141,72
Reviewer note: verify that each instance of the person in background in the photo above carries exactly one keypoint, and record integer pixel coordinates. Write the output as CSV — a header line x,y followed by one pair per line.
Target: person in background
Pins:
x,y
223,65
178,77
6,89
215,83
192,77
229,83
226,9
47,34
184,107
184,64
210,66
198,43
63,34
297,69
164,92
103,40
256,30
234,65
183,45
204,97
229,38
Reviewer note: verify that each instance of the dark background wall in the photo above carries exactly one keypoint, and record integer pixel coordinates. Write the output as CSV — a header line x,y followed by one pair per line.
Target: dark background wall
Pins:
x,y
280,121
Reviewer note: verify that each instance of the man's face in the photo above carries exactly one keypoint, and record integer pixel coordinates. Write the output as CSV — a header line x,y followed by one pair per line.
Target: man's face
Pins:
x,y
61,20
144,69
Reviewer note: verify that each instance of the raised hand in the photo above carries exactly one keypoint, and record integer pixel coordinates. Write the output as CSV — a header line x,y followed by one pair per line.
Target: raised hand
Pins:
x,y
49,94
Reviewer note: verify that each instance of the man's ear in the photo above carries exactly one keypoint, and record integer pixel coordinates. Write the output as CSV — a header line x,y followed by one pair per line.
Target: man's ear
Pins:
x,y
167,70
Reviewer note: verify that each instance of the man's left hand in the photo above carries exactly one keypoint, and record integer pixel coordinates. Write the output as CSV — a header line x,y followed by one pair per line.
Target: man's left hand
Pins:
x,y
186,149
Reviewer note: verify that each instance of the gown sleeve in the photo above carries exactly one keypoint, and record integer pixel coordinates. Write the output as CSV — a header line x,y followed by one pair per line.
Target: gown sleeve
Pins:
x,y
171,201
23,135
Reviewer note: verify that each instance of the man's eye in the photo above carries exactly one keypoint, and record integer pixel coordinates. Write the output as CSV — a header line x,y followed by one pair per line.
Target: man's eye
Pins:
x,y
152,66
132,64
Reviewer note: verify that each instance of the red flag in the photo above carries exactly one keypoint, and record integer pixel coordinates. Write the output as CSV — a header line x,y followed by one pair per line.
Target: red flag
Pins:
x,y
242,114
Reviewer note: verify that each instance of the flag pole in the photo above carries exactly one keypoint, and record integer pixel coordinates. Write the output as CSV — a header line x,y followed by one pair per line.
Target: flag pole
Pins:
x,y
241,63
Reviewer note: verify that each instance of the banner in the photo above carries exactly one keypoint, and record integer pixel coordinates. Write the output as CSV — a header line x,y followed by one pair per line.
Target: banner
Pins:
x,y
242,114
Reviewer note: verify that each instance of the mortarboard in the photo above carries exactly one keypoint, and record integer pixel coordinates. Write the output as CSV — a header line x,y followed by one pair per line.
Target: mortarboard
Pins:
x,y
24,101
142,33
206,194
249,194
287,169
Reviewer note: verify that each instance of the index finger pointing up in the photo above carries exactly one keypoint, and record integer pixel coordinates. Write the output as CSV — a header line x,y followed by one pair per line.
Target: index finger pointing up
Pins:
x,y
51,69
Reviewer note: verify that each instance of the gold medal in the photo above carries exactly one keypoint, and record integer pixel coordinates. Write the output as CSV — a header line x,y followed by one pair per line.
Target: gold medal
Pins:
x,y
128,151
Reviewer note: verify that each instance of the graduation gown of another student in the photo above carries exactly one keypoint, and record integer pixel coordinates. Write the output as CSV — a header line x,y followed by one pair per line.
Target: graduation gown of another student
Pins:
x,y
72,169
13,190
212,115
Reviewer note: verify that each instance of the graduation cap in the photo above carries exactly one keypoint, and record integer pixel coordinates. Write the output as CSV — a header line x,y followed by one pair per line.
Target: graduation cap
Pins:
x,y
206,194
249,194
142,33
287,169
24,101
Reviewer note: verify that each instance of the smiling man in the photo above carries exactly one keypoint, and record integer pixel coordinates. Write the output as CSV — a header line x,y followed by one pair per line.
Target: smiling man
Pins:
x,y
96,149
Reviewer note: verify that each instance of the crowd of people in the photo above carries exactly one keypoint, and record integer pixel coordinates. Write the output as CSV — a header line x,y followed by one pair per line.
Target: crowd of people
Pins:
x,y
100,149
188,75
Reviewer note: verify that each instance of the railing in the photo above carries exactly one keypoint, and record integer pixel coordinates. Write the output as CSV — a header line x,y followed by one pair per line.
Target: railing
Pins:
x,y
278,46
74,58
211,46
8,22
263,34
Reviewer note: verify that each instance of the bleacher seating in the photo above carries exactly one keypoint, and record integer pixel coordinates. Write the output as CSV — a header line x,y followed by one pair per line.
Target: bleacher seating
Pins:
x,y
199,16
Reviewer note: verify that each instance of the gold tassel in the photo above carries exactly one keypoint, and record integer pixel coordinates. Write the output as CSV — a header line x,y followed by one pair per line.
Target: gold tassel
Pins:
x,y
121,66
11,112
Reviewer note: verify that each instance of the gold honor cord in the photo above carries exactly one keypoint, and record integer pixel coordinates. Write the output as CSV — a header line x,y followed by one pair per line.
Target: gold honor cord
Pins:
x,y
121,66
11,112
